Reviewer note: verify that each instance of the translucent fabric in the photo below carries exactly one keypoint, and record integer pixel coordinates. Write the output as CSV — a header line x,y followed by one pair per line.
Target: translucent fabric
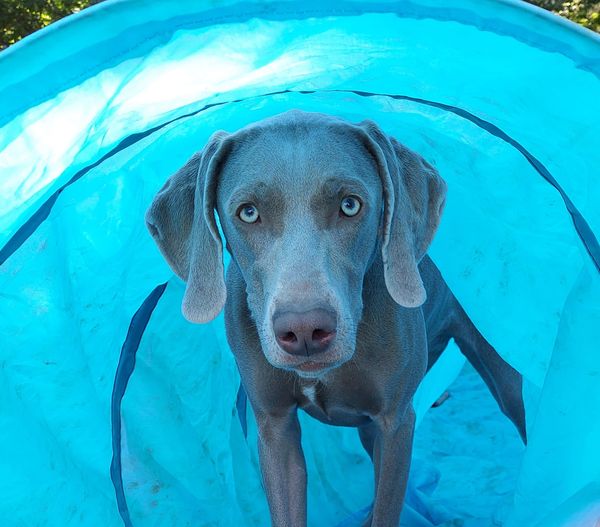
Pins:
x,y
116,411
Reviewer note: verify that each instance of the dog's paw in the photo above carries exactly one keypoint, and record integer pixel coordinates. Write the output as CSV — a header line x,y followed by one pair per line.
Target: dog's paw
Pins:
x,y
441,399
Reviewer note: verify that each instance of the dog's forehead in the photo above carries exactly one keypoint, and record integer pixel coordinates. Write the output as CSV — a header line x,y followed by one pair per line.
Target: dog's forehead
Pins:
x,y
293,154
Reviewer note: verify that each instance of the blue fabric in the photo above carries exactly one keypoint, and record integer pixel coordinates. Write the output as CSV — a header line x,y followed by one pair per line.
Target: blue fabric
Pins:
x,y
124,371
585,233
99,109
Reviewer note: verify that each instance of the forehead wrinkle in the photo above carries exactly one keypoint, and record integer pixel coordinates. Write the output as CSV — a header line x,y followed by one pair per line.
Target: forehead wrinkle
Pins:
x,y
357,154
246,193
245,174
261,158
296,159
332,186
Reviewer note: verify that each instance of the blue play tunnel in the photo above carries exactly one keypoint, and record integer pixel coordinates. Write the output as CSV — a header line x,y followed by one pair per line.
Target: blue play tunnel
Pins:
x,y
116,411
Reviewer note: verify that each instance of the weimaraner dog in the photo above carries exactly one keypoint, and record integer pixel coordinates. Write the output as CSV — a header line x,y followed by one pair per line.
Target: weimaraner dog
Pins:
x,y
331,304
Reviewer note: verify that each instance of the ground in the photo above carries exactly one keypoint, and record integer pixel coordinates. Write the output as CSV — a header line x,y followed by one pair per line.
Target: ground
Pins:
x,y
476,449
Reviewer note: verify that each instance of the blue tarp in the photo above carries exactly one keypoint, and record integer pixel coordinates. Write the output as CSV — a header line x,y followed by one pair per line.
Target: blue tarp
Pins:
x,y
97,110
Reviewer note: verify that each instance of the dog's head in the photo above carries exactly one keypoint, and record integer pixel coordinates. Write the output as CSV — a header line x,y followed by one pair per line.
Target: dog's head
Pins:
x,y
306,202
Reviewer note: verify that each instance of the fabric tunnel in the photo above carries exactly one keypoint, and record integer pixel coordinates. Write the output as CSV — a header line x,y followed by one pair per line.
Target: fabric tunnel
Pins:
x,y
114,410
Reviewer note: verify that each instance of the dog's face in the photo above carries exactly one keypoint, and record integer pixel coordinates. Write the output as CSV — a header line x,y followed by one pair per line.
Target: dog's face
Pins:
x,y
305,201
300,207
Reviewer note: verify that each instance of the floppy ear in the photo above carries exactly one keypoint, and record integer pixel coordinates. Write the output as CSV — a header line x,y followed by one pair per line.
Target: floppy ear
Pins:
x,y
414,197
181,220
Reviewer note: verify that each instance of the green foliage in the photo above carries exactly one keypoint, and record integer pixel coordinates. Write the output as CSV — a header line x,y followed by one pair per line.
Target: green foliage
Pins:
x,y
19,18
584,12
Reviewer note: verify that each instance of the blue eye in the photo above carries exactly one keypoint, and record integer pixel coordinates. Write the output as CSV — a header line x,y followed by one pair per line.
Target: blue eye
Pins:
x,y
248,213
350,206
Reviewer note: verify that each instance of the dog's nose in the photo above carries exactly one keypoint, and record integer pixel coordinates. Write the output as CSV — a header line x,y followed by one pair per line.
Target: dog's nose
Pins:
x,y
305,333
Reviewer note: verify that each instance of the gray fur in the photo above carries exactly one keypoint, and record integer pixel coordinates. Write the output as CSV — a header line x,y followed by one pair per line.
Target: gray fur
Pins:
x,y
395,314
181,220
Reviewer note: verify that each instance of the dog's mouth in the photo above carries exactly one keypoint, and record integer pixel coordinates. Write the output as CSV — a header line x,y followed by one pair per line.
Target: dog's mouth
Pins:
x,y
312,367
308,366
313,370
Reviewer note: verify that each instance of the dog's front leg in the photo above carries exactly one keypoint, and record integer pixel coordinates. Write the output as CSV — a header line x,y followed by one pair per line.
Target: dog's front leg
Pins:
x,y
283,467
392,446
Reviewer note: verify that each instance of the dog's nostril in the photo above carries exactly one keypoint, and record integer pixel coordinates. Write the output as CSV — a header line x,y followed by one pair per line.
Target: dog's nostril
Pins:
x,y
290,337
321,335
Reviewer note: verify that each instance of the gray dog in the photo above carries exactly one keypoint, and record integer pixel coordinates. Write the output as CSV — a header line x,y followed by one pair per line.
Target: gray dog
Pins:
x,y
331,304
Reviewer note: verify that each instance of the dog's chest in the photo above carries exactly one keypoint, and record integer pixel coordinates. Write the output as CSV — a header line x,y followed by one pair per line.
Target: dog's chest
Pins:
x,y
310,392
328,406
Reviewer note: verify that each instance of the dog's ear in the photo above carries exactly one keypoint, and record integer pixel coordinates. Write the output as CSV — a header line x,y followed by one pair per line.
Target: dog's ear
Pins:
x,y
181,220
414,197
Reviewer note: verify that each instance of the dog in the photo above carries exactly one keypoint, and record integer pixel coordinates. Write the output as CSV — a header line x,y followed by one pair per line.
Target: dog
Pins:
x,y
331,303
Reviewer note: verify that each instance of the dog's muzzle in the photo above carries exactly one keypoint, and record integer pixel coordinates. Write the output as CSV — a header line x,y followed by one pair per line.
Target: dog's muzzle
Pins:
x,y
306,334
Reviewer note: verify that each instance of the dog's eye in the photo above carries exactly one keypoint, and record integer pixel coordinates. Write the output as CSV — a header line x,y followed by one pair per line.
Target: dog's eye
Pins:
x,y
248,213
350,206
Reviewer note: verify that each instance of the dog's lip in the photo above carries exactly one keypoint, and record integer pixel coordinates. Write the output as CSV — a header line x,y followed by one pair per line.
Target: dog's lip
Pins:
x,y
312,366
315,366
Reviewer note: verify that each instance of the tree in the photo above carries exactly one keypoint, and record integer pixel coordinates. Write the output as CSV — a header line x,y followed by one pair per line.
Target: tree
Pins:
x,y
584,12
19,18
